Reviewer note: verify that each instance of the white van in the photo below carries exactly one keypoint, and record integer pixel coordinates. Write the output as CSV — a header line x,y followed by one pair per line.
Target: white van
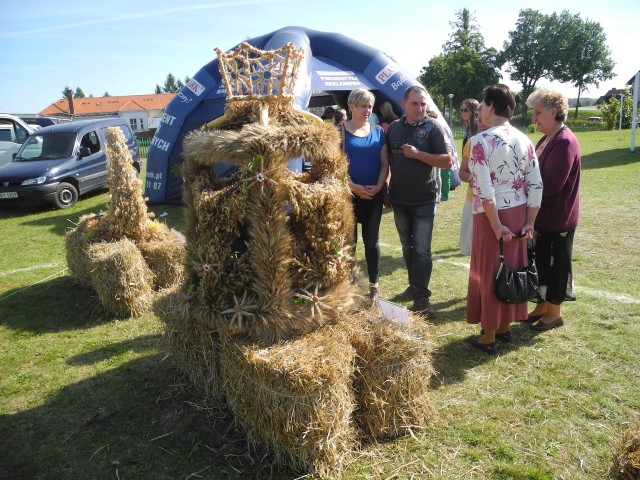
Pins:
x,y
13,133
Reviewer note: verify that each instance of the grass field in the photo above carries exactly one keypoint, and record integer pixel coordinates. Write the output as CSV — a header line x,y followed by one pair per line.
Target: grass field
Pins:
x,y
85,396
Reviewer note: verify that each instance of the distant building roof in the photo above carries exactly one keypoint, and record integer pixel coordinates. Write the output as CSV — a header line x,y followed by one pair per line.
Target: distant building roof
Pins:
x,y
106,105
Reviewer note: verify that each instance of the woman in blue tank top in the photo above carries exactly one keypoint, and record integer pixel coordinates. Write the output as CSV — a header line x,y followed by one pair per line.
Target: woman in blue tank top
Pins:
x,y
364,145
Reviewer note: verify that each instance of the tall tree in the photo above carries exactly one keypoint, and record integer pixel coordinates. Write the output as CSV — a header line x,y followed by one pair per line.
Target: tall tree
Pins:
x,y
158,89
464,67
79,93
532,51
586,60
170,85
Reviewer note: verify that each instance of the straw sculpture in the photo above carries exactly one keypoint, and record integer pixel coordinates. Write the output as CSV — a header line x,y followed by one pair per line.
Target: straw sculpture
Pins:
x,y
294,398
393,368
96,237
626,460
269,319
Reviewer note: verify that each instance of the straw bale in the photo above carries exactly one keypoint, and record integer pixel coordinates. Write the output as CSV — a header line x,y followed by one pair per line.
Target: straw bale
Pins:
x,y
194,347
121,277
295,398
78,261
392,375
626,459
166,259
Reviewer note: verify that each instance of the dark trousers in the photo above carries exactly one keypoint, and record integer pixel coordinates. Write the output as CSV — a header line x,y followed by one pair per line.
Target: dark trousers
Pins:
x,y
553,261
368,213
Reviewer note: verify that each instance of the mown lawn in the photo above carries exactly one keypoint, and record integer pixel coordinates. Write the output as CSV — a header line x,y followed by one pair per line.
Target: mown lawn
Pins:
x,y
86,396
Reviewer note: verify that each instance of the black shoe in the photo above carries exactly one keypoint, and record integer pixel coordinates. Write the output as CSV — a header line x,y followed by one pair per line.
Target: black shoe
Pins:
x,y
488,348
503,337
373,292
423,307
405,296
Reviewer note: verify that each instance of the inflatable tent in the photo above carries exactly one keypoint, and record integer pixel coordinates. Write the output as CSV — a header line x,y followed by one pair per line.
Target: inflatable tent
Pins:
x,y
333,65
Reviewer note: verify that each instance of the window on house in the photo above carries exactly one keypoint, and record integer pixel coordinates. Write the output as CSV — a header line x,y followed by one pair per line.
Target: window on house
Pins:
x,y
141,124
134,124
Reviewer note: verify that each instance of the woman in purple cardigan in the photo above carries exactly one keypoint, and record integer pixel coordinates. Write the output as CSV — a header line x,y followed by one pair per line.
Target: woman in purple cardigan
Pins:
x,y
559,155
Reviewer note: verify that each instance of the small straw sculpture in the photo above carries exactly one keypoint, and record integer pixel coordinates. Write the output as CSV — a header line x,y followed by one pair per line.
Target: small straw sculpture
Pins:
x,y
95,237
626,460
295,398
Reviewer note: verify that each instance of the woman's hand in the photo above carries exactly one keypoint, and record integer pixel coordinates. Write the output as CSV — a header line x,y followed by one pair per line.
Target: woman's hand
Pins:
x,y
361,191
527,230
503,232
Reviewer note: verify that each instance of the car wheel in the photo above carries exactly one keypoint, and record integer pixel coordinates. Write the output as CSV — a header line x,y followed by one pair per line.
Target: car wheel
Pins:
x,y
66,195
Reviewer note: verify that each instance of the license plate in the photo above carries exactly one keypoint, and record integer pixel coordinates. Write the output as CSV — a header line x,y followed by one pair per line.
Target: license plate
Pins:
x,y
8,194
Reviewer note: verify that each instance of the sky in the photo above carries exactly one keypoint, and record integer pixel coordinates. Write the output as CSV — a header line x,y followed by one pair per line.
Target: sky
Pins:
x,y
127,47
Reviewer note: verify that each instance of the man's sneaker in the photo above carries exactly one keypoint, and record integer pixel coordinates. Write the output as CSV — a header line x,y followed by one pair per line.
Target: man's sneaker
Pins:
x,y
405,296
423,307
373,292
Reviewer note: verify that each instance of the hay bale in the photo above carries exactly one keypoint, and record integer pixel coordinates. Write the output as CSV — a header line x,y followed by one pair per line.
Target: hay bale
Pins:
x,y
295,398
78,259
393,368
626,460
121,277
195,348
166,258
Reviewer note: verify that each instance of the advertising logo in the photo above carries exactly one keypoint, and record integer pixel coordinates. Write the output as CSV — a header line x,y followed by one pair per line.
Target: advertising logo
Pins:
x,y
195,86
386,73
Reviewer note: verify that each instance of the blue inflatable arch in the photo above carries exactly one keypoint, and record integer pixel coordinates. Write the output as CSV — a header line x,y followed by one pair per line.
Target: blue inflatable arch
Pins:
x,y
333,65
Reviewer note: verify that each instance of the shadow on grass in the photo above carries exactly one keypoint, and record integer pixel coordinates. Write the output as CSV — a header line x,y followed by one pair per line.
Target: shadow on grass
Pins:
x,y
452,360
56,305
609,158
136,421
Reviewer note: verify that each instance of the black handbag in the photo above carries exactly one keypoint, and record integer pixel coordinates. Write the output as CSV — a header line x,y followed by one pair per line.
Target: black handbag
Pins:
x,y
516,286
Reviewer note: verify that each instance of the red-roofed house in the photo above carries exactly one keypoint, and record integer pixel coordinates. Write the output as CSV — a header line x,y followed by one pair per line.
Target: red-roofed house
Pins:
x,y
143,112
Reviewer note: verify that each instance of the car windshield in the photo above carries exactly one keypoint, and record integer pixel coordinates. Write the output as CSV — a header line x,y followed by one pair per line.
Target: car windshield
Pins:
x,y
47,146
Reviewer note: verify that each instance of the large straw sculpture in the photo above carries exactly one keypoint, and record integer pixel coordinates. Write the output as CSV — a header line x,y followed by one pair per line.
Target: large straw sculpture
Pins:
x,y
270,320
124,273
626,459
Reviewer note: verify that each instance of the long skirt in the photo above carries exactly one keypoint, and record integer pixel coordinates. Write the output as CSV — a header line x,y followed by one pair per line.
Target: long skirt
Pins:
x,y
482,306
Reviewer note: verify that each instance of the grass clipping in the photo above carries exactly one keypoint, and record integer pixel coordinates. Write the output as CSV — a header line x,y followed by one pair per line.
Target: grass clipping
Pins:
x,y
626,460
294,398
94,242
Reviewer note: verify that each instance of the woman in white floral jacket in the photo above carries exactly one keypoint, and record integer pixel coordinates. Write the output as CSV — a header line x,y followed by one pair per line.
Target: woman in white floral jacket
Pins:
x,y
507,191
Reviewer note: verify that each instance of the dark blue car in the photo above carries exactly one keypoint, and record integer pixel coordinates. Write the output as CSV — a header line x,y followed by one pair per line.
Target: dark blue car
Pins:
x,y
56,164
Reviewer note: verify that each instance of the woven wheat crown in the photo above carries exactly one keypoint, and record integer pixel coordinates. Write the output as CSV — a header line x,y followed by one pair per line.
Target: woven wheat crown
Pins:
x,y
248,71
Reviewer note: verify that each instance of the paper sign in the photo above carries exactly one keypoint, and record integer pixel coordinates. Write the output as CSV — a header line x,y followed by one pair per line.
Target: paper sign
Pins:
x,y
393,311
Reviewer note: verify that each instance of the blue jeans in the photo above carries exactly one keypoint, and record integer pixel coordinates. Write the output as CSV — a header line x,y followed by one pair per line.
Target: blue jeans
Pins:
x,y
415,228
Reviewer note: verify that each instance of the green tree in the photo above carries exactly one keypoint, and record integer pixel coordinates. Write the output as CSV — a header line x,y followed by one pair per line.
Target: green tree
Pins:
x,y
464,67
586,60
170,85
610,111
106,94
158,89
79,93
531,53
179,85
